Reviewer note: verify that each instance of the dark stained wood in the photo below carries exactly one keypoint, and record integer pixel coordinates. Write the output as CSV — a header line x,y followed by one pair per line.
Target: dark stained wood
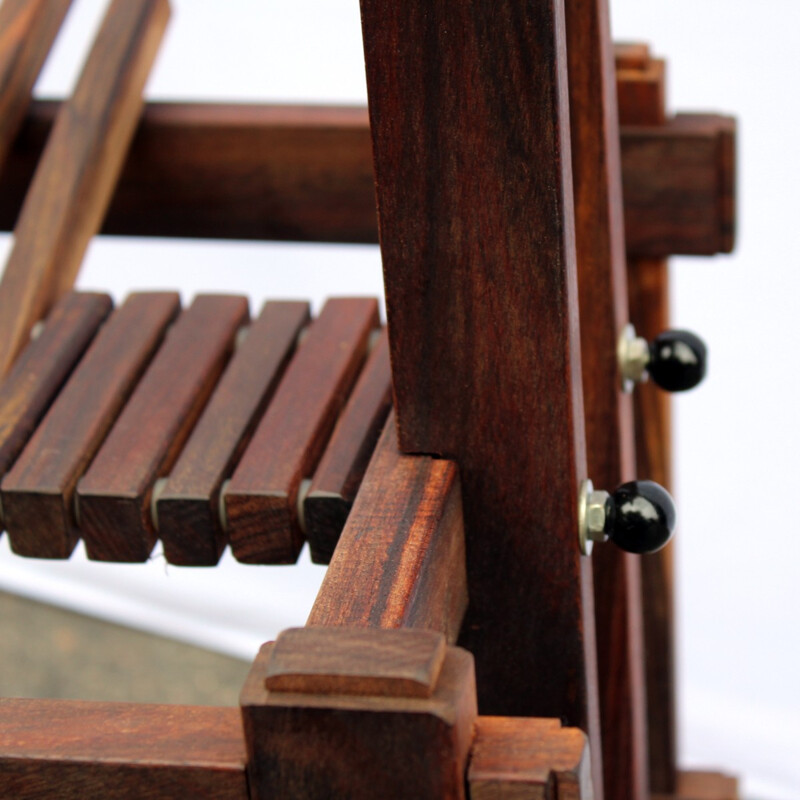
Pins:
x,y
38,493
641,85
361,747
27,31
188,507
73,750
44,365
470,132
390,663
402,546
649,313
338,476
524,758
76,175
114,496
696,157
600,240
305,173
261,498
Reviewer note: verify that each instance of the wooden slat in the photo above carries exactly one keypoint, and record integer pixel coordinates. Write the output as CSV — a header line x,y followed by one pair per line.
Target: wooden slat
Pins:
x,y
27,31
75,750
261,498
402,546
695,785
75,178
475,207
338,476
44,365
188,507
528,759
38,493
603,297
649,313
114,495
305,173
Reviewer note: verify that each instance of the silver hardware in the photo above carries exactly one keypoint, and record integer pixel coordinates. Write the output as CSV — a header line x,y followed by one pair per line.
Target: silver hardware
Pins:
x,y
591,516
633,355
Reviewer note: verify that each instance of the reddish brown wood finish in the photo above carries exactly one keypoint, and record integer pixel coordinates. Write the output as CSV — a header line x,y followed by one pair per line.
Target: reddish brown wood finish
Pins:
x,y
188,507
469,118
703,786
341,469
115,493
78,170
402,546
316,745
27,31
43,367
305,173
261,498
600,239
75,750
528,759
38,493
649,313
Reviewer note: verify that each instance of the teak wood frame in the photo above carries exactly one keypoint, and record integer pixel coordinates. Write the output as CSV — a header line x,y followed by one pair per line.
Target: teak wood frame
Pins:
x,y
475,193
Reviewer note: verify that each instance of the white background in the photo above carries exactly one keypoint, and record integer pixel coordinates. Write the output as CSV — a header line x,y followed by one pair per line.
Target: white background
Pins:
x,y
736,438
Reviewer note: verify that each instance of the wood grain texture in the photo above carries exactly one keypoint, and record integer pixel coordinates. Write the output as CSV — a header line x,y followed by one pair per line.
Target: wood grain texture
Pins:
x,y
114,495
390,663
27,31
302,173
338,476
38,493
76,175
360,747
188,507
470,133
403,546
44,365
603,296
261,497
649,313
528,759
74,750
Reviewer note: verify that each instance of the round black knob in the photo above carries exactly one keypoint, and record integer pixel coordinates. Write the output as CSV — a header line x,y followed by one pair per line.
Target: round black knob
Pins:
x,y
640,517
677,360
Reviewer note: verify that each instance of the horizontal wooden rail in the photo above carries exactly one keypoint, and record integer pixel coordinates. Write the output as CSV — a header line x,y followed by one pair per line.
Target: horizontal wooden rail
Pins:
x,y
304,173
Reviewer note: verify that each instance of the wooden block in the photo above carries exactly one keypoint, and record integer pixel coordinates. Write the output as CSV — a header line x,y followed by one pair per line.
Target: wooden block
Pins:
x,y
78,170
188,506
695,785
261,498
338,476
641,84
390,663
519,758
44,365
603,299
477,239
360,746
27,31
299,173
114,496
690,203
402,546
38,493
74,750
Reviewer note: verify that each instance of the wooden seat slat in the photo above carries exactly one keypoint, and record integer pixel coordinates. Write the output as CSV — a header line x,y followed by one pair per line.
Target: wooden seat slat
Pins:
x,y
38,493
114,495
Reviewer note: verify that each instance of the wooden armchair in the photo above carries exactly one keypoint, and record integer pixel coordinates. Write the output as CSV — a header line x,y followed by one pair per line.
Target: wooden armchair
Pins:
x,y
456,582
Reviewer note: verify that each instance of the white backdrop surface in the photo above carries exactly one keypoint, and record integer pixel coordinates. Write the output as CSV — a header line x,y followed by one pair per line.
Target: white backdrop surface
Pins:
x,y
737,437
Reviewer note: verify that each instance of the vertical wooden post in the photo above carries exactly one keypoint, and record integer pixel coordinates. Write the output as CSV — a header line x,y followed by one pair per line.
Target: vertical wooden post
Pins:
x,y
642,103
469,116
599,232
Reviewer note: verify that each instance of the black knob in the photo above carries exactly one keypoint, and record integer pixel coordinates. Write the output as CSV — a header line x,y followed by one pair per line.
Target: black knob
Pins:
x,y
677,360
640,517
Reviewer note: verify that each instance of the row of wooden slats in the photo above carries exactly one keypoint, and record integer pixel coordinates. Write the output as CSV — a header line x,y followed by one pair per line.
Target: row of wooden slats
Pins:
x,y
120,427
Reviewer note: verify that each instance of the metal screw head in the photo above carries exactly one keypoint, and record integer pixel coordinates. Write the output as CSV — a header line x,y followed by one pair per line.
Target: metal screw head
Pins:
x,y
633,355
